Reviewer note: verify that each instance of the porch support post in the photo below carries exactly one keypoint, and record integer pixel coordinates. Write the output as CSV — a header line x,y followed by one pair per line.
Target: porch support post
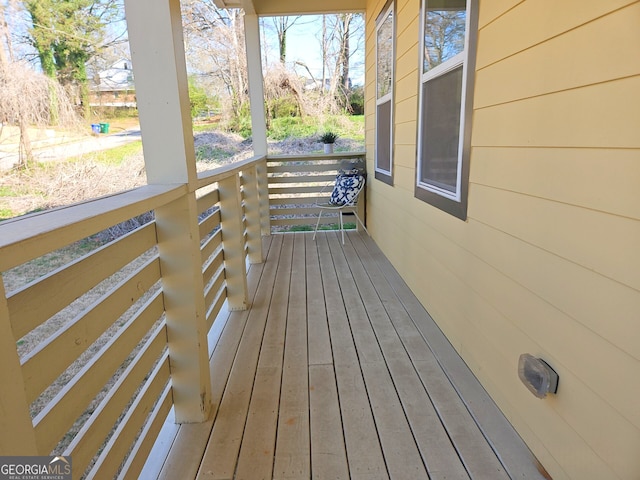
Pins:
x,y
17,436
252,214
233,243
157,50
258,119
256,84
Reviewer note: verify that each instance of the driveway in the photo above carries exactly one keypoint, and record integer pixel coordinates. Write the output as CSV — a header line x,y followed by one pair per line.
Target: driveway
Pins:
x,y
72,148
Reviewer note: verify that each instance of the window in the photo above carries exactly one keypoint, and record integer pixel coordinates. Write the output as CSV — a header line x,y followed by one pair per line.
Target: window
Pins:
x,y
385,34
446,86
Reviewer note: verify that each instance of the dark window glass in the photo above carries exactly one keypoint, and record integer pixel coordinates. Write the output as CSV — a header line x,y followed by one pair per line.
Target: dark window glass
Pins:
x,y
383,137
441,130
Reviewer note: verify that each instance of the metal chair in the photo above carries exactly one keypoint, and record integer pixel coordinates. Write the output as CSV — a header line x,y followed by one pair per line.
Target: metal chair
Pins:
x,y
344,197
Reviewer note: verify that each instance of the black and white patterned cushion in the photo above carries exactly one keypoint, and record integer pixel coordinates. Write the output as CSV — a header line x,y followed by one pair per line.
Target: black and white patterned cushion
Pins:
x,y
346,188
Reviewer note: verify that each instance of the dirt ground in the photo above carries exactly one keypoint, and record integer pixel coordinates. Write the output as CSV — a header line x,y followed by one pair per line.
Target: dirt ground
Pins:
x,y
64,183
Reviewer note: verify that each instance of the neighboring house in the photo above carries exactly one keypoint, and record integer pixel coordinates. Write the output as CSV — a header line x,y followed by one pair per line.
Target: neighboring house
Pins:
x,y
114,86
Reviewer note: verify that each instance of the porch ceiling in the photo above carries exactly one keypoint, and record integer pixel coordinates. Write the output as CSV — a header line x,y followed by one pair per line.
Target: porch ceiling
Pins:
x,y
293,7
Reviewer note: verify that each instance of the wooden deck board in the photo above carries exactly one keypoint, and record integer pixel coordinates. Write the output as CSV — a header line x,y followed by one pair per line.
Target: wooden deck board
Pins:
x,y
293,447
400,450
364,453
328,453
513,453
191,440
258,442
220,457
332,374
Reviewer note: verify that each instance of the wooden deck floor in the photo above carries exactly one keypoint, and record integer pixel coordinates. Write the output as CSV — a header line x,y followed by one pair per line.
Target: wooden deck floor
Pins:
x,y
338,372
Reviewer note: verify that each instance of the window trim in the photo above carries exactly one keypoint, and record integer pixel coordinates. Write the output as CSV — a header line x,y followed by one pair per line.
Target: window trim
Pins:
x,y
381,174
452,203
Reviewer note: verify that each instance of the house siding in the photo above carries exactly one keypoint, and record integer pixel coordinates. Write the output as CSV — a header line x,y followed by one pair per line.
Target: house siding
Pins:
x,y
548,260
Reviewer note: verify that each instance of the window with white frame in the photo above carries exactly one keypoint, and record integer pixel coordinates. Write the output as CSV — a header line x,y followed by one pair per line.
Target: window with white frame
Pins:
x,y
446,86
385,34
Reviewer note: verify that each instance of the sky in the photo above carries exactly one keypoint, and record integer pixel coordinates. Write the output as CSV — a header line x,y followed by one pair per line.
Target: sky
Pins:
x,y
303,45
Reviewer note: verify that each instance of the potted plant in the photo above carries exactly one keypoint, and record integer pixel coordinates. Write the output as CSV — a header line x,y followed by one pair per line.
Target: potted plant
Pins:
x,y
328,138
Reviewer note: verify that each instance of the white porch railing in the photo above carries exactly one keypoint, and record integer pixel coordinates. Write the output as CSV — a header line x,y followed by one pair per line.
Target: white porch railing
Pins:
x,y
296,183
99,382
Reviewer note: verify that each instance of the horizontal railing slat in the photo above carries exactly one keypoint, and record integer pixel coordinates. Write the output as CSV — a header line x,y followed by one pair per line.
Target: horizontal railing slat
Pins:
x,y
43,365
86,443
319,156
295,211
294,190
304,167
212,267
214,289
25,238
58,416
304,221
138,456
211,245
220,173
116,449
210,223
64,285
302,200
321,180
215,308
208,200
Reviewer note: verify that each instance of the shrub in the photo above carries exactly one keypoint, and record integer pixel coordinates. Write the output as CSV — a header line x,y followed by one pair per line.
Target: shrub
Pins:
x,y
285,106
198,99
356,100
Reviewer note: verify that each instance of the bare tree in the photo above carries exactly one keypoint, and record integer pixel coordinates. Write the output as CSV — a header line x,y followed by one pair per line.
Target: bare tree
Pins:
x,y
346,30
26,99
281,26
214,41
5,36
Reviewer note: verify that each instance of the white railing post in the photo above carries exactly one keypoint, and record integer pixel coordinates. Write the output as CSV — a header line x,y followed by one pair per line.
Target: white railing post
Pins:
x,y
233,242
17,436
263,196
183,288
252,214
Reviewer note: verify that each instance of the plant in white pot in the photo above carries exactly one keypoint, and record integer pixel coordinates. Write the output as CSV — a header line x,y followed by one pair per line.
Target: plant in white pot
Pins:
x,y
328,139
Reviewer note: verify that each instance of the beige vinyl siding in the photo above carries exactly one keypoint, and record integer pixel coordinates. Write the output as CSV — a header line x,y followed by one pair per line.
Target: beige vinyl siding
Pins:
x,y
548,261
603,57
533,23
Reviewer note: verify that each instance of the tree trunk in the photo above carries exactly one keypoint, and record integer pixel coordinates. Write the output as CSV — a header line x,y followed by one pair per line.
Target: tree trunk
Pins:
x,y
345,54
282,40
345,51
324,54
25,154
